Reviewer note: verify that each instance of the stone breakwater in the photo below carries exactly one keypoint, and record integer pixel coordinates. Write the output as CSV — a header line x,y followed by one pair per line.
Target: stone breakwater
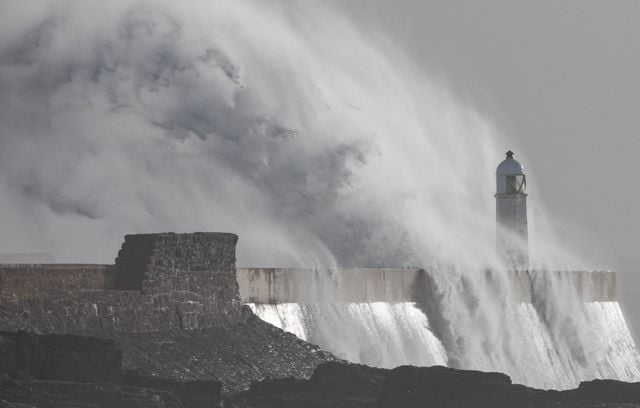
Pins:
x,y
159,282
173,306
188,281
171,303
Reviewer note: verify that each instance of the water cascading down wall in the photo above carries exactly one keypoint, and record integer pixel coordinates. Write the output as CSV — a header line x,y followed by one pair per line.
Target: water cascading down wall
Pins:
x,y
544,329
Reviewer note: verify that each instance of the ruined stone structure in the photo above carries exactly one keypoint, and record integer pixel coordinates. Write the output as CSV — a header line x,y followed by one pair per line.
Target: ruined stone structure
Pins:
x,y
171,302
159,282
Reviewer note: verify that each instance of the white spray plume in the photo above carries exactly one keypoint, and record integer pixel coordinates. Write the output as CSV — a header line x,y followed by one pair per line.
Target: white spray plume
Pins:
x,y
282,122
318,145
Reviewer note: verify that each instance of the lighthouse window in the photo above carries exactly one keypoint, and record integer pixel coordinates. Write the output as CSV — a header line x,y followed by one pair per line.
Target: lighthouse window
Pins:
x,y
516,184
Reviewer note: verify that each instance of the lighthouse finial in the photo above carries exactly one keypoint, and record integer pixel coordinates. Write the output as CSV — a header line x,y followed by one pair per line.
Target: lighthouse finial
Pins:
x,y
509,154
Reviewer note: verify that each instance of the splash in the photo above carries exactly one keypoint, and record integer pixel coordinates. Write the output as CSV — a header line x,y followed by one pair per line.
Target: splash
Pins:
x,y
320,144
317,144
377,333
392,334
544,329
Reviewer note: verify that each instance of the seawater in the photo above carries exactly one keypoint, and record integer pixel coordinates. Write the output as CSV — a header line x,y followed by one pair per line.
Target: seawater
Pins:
x,y
392,334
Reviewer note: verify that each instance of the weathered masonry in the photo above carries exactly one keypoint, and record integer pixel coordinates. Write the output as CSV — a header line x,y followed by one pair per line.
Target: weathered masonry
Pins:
x,y
165,281
171,304
159,282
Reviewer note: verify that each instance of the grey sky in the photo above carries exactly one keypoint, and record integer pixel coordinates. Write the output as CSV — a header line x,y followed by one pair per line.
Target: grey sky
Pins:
x,y
561,79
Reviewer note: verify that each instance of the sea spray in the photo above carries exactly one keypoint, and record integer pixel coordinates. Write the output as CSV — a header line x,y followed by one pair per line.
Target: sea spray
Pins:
x,y
316,142
388,335
378,334
544,329
290,126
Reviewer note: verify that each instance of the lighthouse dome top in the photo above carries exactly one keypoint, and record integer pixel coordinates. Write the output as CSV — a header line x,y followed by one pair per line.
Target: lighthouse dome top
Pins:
x,y
510,166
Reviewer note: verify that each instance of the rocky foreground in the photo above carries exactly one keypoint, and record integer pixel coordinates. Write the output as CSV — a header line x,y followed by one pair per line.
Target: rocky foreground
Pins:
x,y
77,371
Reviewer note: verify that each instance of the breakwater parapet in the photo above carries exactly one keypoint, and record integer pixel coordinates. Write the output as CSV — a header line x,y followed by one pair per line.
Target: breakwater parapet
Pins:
x,y
544,329
171,303
170,298
159,282
358,285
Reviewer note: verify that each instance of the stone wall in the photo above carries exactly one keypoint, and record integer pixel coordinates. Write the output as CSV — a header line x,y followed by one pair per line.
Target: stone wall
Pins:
x,y
24,280
171,303
299,285
110,311
159,282
202,263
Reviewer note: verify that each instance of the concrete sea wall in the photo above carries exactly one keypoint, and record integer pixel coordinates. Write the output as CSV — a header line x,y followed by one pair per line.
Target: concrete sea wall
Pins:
x,y
356,285
164,281
543,329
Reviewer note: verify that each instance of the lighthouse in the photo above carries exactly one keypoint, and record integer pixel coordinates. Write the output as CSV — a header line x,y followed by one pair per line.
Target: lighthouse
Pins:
x,y
511,214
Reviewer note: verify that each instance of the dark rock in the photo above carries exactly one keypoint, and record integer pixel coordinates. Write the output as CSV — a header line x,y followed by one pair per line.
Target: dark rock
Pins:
x,y
174,363
69,370
441,386
53,394
234,352
331,385
352,380
60,357
346,385
604,391
192,394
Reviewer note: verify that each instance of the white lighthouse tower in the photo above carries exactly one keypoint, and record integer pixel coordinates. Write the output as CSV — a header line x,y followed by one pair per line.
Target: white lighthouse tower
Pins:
x,y
511,214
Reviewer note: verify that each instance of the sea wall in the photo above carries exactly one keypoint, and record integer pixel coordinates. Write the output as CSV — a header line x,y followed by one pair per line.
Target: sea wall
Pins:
x,y
202,263
159,282
168,281
356,285
25,279
173,302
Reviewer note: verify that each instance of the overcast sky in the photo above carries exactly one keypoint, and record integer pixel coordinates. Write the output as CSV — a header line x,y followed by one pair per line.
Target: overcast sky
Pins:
x,y
561,79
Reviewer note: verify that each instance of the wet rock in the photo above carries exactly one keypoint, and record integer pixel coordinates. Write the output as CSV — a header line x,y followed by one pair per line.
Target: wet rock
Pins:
x,y
600,391
192,394
50,394
346,385
60,357
234,352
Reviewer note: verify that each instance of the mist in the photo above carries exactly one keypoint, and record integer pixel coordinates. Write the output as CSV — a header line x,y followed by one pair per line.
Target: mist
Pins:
x,y
286,125
317,143
317,139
